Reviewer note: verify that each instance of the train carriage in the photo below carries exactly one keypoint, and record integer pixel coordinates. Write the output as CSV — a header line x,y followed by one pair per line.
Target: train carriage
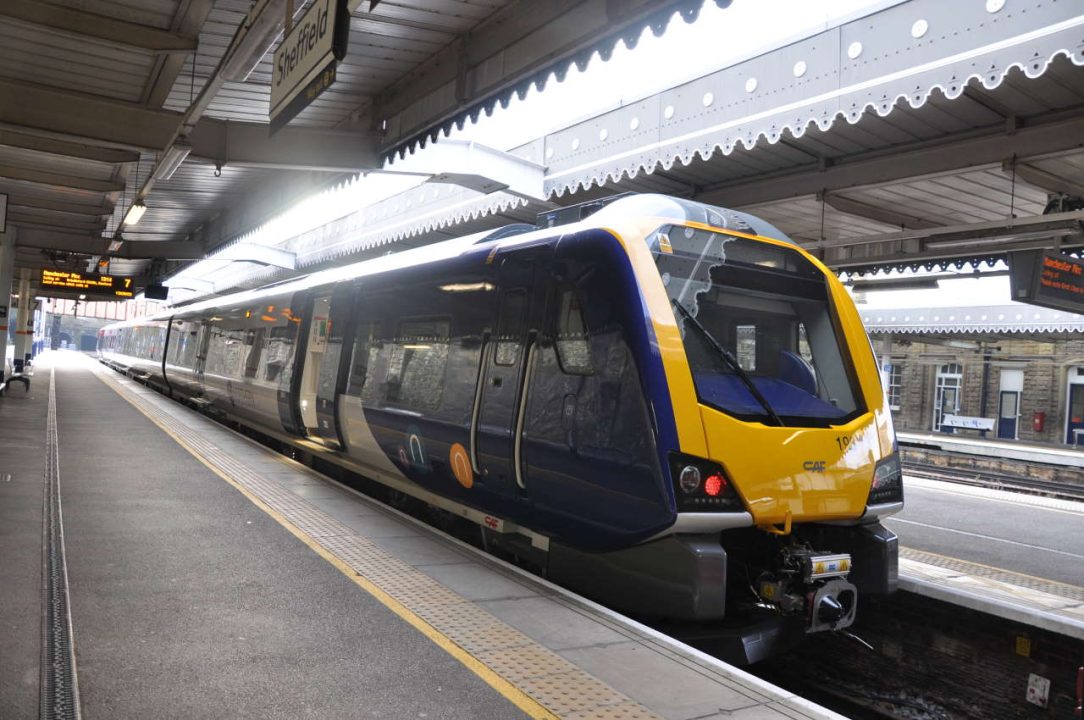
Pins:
x,y
675,405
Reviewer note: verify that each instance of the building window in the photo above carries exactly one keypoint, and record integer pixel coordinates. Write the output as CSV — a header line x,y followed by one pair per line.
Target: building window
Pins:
x,y
894,374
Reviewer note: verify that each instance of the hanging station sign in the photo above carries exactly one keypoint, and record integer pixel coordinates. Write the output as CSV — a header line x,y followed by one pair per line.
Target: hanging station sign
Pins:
x,y
1048,279
306,59
88,283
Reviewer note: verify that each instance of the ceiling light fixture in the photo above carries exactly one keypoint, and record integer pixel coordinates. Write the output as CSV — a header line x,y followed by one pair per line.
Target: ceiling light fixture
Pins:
x,y
135,213
175,155
253,39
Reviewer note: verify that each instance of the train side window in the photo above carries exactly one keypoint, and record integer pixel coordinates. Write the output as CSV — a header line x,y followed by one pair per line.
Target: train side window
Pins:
x,y
573,346
510,327
363,381
416,366
277,359
254,341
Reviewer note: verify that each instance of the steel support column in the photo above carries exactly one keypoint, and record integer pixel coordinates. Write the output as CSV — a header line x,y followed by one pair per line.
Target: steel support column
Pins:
x,y
7,271
24,326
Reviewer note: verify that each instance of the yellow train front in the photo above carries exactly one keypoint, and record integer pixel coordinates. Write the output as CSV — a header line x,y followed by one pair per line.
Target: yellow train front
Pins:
x,y
780,445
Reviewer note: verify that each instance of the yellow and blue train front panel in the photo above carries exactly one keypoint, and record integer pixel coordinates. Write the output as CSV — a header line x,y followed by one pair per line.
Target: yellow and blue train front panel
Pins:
x,y
776,401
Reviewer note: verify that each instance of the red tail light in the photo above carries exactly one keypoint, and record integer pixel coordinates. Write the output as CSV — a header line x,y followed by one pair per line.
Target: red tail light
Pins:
x,y
714,485
702,485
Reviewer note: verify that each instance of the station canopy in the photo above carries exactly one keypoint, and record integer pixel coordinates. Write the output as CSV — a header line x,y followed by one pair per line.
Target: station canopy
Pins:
x,y
164,104
916,135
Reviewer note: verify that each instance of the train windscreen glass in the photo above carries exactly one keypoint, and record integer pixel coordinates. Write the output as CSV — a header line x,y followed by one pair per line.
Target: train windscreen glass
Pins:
x,y
757,325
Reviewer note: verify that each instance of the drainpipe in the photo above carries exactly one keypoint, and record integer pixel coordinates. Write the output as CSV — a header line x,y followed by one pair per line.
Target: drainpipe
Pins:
x,y
985,381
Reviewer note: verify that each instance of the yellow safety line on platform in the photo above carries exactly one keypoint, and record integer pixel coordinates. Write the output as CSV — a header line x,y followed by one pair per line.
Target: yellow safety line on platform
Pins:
x,y
513,694
1002,571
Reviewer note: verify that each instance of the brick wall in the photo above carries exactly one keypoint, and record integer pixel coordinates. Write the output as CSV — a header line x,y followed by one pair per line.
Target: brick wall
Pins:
x,y
1045,362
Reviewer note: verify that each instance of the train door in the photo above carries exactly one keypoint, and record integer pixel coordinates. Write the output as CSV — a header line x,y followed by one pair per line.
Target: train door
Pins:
x,y
332,373
497,425
321,376
203,340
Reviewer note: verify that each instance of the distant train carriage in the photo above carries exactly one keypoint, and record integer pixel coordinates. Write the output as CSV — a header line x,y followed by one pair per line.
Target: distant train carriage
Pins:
x,y
672,403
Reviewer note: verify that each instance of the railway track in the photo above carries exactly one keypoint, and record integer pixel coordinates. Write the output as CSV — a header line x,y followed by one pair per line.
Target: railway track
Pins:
x,y
995,480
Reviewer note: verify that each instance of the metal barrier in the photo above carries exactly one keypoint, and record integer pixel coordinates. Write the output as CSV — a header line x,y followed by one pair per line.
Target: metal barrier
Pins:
x,y
22,374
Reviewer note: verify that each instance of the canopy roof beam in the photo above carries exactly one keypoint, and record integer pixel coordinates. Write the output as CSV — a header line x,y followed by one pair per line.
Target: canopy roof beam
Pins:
x,y
896,218
1042,179
30,202
114,32
973,149
40,177
249,145
80,151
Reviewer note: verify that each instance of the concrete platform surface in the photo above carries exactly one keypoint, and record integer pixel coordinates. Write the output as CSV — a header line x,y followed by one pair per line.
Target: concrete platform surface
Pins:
x,y
967,545
211,577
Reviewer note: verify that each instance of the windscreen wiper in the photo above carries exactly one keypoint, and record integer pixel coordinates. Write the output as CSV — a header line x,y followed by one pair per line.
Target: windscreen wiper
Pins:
x,y
731,361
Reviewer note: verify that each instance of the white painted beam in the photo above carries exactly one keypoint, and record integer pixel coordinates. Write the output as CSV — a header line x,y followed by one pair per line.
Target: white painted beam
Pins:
x,y
474,166
260,254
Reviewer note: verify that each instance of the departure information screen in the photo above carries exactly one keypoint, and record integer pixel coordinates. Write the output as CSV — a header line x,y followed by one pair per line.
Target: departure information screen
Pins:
x,y
1048,279
89,283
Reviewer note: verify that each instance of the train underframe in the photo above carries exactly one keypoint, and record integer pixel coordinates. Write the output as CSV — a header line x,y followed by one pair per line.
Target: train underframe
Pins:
x,y
743,594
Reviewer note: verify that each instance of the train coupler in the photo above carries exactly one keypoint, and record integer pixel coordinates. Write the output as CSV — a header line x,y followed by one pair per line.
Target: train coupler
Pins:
x,y
814,584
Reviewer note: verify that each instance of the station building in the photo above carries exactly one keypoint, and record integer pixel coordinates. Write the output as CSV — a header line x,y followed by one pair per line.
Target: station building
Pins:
x,y
1013,372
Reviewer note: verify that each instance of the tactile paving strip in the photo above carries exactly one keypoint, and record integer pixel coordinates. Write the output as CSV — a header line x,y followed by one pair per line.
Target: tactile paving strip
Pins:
x,y
1064,590
546,677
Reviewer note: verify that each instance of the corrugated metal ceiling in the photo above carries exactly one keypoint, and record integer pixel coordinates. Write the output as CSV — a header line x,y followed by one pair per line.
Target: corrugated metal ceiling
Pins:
x,y
159,55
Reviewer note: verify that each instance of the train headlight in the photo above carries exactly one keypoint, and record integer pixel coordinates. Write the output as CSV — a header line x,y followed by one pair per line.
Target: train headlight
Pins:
x,y
887,483
689,480
702,486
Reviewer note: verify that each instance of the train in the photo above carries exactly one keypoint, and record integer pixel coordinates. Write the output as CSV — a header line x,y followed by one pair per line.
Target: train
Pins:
x,y
672,405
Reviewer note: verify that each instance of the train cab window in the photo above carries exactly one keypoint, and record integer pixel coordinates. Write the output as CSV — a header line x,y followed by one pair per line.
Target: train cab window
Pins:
x,y
510,327
416,364
758,314
573,347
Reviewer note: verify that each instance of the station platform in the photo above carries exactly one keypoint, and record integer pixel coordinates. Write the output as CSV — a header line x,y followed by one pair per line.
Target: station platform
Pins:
x,y
210,577
984,573
1048,454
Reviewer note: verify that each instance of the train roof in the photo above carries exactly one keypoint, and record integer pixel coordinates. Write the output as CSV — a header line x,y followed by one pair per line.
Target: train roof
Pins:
x,y
592,214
